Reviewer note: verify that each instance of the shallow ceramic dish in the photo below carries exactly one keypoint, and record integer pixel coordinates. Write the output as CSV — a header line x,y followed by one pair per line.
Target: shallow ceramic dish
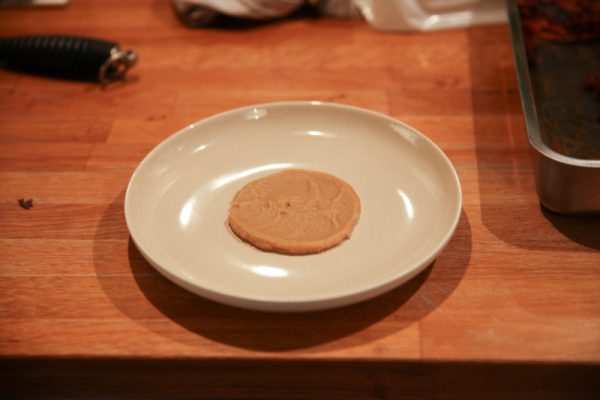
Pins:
x,y
177,203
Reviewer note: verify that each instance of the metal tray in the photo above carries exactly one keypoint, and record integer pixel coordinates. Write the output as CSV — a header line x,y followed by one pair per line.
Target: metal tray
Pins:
x,y
558,73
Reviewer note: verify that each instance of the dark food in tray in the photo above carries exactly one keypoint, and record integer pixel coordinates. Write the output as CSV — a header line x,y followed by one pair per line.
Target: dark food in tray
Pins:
x,y
562,41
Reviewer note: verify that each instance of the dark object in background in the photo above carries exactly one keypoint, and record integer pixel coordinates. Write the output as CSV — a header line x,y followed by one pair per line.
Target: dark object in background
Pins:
x,y
68,57
33,3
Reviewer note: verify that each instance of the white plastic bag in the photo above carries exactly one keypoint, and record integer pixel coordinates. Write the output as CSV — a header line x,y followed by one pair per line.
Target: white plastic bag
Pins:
x,y
428,15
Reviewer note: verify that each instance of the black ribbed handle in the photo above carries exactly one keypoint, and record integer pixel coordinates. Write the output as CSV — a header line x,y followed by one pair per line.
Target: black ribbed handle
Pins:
x,y
64,56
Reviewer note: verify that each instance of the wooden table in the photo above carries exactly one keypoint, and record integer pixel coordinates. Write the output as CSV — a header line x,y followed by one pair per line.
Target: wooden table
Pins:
x,y
510,308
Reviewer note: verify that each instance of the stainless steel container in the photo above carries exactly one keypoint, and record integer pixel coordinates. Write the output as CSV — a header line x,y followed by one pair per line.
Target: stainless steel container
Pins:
x,y
558,77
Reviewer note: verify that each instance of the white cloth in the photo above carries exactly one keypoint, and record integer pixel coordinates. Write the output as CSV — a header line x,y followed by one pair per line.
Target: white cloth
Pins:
x,y
403,15
254,9
198,12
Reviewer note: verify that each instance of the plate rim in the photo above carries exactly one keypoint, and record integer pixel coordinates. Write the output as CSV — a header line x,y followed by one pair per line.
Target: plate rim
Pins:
x,y
337,298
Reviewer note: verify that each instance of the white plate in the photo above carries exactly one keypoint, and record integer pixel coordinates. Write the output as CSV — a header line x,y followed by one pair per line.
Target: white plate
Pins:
x,y
177,204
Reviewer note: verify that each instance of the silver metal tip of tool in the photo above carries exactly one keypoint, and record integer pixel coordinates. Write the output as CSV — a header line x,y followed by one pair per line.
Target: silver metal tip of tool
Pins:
x,y
115,68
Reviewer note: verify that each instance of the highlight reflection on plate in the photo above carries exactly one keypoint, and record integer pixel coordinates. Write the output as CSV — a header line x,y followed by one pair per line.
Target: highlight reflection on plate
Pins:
x,y
178,199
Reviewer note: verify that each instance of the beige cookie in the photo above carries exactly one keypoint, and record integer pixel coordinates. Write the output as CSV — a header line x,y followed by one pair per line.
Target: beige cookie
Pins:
x,y
295,211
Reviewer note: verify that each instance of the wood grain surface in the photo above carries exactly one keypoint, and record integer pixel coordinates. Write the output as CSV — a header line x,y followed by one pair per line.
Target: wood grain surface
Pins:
x,y
511,308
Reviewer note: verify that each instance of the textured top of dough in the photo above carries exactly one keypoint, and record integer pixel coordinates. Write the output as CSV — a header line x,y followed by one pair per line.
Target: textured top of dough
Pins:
x,y
295,211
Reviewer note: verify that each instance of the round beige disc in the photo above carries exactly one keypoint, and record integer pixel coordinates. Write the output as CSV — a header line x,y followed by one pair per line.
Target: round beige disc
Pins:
x,y
295,211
